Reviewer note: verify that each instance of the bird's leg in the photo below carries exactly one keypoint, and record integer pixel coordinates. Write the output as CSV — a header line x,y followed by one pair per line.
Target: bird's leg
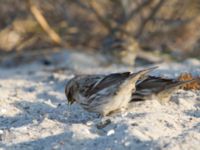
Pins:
x,y
100,116
114,112
103,124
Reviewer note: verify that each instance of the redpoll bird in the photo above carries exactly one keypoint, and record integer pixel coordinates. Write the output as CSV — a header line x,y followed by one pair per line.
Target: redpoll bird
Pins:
x,y
103,94
156,88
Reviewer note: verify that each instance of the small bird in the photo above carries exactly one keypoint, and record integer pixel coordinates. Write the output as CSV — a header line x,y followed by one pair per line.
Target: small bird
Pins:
x,y
156,88
103,94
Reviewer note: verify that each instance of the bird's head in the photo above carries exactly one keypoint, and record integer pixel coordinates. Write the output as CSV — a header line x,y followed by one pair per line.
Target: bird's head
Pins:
x,y
70,89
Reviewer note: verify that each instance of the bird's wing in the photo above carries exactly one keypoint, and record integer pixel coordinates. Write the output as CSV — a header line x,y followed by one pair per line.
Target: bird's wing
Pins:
x,y
108,81
150,85
115,79
154,83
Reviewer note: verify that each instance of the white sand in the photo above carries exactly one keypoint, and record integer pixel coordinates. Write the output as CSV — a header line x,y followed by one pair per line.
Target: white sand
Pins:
x,y
34,113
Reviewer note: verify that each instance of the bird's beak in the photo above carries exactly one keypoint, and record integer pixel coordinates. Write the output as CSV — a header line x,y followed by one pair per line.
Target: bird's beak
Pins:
x,y
70,101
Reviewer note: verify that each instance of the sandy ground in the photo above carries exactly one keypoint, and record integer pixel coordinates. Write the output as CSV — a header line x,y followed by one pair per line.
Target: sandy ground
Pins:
x,y
34,113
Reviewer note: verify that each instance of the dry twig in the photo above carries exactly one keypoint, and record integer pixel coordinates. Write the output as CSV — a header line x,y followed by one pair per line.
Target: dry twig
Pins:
x,y
44,24
149,17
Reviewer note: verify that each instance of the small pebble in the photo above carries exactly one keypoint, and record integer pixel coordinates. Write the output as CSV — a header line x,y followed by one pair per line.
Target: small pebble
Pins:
x,y
110,132
134,124
89,123
51,82
1,135
3,110
1,132
127,144
35,121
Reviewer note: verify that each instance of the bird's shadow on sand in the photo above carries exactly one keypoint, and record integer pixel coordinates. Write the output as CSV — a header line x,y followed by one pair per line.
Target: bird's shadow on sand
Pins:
x,y
39,110
50,102
66,140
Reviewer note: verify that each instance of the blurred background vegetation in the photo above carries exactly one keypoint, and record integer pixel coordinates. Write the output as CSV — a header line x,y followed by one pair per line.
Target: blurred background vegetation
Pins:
x,y
119,29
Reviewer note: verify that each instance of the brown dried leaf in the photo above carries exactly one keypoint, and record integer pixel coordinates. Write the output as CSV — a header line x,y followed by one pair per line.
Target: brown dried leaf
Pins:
x,y
190,86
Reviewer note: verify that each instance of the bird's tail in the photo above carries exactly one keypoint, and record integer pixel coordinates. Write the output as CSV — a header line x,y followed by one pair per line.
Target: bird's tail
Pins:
x,y
167,91
173,87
